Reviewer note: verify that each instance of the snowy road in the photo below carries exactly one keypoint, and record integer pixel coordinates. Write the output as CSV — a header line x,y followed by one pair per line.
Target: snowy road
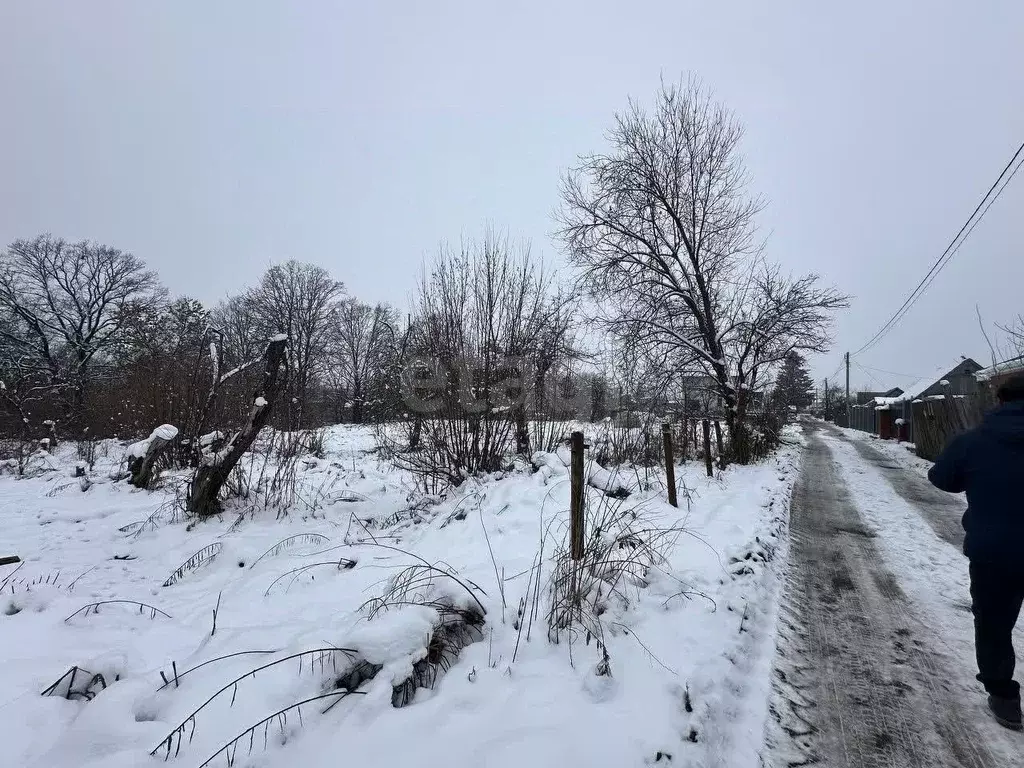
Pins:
x,y
942,511
875,658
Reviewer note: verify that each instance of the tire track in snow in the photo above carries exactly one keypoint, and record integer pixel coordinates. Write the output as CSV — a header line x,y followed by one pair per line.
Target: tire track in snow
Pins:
x,y
942,511
855,683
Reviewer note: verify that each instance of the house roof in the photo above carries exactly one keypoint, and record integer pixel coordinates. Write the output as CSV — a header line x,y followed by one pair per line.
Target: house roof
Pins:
x,y
1013,365
919,387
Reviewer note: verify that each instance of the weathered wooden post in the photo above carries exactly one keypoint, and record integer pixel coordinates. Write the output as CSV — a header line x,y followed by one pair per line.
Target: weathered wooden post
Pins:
x,y
576,496
707,448
670,464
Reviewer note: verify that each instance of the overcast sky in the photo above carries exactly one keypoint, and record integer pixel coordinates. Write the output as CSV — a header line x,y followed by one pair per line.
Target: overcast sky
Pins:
x,y
214,139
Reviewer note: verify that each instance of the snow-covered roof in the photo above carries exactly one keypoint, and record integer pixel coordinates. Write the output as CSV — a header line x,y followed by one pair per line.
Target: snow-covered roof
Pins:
x,y
915,390
882,403
1013,365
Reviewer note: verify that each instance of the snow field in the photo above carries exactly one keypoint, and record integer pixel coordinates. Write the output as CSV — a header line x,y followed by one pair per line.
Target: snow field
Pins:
x,y
689,654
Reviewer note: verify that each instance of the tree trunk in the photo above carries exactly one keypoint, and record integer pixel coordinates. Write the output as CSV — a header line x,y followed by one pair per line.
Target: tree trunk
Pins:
x,y
522,431
141,467
357,402
414,435
739,431
214,470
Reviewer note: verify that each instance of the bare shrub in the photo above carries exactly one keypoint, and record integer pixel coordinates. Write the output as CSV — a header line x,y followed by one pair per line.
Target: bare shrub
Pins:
x,y
460,619
313,659
623,545
481,315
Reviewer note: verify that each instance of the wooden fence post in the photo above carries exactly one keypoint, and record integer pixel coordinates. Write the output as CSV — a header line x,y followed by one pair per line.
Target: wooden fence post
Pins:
x,y
576,496
707,448
670,464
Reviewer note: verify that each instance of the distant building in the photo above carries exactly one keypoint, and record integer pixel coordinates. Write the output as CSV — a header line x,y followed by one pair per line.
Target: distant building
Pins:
x,y
865,398
958,380
890,414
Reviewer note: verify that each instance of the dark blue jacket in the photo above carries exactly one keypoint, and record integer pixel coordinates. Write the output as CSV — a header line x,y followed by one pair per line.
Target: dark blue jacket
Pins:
x,y
988,463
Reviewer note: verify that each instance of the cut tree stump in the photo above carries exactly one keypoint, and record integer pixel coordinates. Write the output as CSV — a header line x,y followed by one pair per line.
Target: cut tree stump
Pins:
x,y
142,455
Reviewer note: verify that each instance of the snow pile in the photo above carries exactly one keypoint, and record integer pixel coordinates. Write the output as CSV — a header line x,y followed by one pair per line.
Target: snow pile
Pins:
x,y
164,432
557,464
365,597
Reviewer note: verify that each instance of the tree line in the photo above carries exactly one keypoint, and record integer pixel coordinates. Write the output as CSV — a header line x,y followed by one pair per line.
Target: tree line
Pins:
x,y
669,306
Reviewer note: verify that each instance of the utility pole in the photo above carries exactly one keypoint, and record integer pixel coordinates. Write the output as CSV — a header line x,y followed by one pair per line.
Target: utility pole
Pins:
x,y
848,389
827,409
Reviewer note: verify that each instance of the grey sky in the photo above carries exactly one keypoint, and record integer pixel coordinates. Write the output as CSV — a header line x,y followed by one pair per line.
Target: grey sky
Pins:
x,y
213,139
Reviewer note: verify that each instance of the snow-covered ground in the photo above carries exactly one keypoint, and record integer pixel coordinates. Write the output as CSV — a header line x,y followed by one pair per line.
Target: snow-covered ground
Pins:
x,y
901,453
688,640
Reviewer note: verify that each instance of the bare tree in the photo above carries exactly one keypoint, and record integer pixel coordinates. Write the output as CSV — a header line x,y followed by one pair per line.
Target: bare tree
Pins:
x,y
662,228
779,316
481,312
362,340
1014,333
243,330
68,304
296,299
216,464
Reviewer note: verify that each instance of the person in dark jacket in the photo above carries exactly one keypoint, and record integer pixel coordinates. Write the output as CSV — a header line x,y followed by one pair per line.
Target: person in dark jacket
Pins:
x,y
988,463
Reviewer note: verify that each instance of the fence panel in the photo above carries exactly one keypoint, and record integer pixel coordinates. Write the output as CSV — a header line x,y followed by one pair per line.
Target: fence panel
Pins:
x,y
862,418
936,422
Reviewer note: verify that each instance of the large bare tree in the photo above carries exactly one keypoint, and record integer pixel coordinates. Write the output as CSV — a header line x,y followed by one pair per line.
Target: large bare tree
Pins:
x,y
67,305
363,339
296,299
662,227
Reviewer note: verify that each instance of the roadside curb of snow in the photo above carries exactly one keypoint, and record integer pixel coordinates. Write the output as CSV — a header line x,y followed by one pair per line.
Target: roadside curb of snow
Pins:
x,y
727,703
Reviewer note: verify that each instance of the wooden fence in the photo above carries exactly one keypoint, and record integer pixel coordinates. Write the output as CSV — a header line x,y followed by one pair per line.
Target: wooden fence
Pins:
x,y
936,422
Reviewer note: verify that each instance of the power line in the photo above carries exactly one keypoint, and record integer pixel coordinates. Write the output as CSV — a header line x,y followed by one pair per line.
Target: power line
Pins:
x,y
891,373
950,251
869,374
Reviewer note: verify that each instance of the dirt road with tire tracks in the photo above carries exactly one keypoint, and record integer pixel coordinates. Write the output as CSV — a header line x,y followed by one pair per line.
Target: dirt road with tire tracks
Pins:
x,y
857,684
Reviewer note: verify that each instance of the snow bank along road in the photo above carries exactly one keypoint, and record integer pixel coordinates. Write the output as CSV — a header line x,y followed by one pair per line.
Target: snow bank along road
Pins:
x,y
875,660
